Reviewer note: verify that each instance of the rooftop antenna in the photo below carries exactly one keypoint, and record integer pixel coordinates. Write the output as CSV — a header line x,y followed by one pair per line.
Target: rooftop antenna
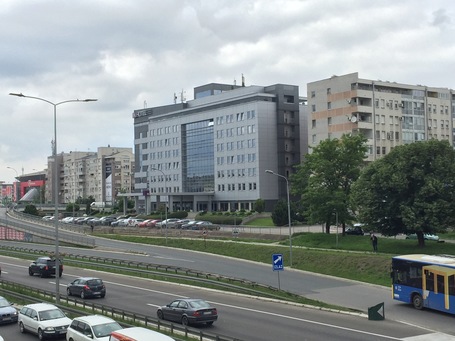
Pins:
x,y
235,82
175,98
182,96
243,80
145,104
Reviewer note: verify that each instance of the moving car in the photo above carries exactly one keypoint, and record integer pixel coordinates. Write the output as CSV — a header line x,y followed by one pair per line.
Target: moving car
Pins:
x,y
188,311
138,334
8,314
43,319
86,287
91,328
45,267
426,236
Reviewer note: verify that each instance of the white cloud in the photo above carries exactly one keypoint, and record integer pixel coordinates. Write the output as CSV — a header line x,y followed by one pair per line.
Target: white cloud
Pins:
x,y
128,53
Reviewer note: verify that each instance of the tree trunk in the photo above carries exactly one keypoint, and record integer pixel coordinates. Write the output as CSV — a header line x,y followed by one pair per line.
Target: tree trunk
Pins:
x,y
327,227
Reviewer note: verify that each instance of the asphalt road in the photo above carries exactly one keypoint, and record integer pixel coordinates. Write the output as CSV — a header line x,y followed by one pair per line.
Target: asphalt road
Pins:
x,y
241,316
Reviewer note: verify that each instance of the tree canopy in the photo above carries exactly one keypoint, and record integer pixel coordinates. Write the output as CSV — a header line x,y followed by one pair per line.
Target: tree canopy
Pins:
x,y
409,190
325,177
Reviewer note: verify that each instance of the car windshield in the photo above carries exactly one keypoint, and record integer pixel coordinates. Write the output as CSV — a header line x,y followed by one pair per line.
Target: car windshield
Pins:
x,y
199,304
103,330
4,303
94,282
51,314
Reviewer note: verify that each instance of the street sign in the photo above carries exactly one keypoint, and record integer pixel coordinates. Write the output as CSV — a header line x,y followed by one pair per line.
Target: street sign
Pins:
x,y
277,262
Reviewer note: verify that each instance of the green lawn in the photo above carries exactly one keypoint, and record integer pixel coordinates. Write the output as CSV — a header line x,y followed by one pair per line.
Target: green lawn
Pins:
x,y
316,252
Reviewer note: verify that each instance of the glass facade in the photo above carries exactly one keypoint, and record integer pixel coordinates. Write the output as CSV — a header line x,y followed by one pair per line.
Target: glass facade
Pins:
x,y
198,168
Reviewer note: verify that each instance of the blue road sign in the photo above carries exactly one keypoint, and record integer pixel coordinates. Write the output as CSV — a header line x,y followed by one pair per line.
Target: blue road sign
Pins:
x,y
277,262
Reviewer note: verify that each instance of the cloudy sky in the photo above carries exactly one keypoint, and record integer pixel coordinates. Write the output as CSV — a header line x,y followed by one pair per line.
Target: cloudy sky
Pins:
x,y
136,53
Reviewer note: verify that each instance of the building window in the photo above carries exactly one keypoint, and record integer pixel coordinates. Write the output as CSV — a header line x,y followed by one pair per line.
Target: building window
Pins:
x,y
313,124
329,91
329,120
313,107
329,105
313,94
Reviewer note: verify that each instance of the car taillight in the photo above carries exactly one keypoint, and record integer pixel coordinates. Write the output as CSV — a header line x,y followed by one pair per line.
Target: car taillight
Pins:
x,y
214,312
196,313
46,268
86,287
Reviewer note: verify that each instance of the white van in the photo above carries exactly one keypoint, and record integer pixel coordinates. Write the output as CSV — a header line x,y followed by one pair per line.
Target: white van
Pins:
x,y
138,334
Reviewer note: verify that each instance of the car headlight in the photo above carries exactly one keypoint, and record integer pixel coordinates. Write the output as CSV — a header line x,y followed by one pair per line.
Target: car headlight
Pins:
x,y
49,329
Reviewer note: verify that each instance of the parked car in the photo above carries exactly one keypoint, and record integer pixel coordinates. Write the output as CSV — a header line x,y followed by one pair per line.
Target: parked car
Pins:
x,y
120,222
426,236
47,217
106,221
206,225
134,222
45,267
43,319
86,287
91,328
354,231
188,311
8,314
144,223
181,222
169,223
191,225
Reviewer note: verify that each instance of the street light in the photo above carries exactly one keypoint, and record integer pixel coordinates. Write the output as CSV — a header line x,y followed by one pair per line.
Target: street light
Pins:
x,y
289,212
167,200
15,190
55,183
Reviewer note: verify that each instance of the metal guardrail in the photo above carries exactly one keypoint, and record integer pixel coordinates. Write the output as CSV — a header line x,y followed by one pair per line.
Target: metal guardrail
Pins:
x,y
45,229
142,268
126,317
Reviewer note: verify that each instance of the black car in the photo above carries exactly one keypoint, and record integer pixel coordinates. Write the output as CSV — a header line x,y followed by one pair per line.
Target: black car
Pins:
x,y
354,231
188,311
45,267
86,287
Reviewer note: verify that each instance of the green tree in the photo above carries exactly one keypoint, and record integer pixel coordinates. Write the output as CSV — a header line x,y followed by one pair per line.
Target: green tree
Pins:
x,y
280,213
259,205
325,177
31,209
69,207
409,190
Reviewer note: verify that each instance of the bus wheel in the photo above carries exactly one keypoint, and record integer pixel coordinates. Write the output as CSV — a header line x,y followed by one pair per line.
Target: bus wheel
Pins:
x,y
417,301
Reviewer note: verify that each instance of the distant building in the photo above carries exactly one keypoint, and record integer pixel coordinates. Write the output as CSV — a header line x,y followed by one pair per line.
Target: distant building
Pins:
x,y
102,175
211,153
387,113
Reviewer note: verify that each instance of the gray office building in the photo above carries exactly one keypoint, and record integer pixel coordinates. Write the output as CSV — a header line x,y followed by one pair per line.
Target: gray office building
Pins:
x,y
211,153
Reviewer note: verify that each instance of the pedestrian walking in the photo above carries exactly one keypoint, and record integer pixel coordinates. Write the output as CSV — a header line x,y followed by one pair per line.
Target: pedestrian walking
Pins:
x,y
374,242
91,227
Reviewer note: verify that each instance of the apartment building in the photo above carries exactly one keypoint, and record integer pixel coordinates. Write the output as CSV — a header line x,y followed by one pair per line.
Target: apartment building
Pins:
x,y
211,153
102,174
387,113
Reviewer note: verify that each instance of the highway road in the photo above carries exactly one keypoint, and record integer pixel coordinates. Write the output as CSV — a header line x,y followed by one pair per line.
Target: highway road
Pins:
x,y
241,316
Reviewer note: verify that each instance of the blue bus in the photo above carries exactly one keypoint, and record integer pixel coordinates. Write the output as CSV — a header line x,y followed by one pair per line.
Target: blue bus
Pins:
x,y
425,281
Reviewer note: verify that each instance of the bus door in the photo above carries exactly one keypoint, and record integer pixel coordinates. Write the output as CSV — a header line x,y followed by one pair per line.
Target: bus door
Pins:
x,y
438,287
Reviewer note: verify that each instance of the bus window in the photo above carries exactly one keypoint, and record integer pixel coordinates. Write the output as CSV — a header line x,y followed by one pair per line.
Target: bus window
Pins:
x,y
440,284
452,285
429,280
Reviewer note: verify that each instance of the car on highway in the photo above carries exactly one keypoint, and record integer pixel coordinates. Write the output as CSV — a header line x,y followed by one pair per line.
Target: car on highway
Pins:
x,y
43,319
45,267
191,225
188,311
92,328
426,236
138,334
8,314
207,225
86,287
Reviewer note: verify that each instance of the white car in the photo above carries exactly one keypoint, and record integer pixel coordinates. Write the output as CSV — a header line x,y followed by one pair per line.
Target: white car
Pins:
x,y
43,319
91,328
169,223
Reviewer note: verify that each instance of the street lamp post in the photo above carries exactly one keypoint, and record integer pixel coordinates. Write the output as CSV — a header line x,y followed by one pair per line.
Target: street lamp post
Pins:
x,y
289,212
55,183
167,200
15,190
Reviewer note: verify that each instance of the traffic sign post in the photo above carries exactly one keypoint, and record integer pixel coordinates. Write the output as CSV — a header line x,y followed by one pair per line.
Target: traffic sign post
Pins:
x,y
277,265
